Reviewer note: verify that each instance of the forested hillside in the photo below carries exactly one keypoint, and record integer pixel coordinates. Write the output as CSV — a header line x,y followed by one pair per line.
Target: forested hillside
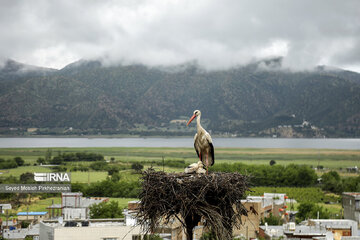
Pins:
x,y
86,97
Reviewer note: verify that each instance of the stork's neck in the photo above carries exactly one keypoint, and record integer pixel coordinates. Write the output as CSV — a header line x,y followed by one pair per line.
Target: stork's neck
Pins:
x,y
198,125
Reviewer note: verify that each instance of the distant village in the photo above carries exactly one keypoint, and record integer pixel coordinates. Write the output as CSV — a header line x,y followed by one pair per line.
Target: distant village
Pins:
x,y
71,220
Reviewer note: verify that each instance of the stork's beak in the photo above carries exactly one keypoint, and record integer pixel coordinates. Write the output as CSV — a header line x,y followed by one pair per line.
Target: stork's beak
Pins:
x,y
192,118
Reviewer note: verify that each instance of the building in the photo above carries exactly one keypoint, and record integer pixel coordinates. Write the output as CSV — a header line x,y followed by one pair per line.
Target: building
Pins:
x,y
329,229
339,227
4,207
93,229
9,224
251,223
74,206
21,233
351,206
291,231
260,207
37,216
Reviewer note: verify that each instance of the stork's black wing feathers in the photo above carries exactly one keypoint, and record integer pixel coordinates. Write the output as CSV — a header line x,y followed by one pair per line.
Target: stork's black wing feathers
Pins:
x,y
212,153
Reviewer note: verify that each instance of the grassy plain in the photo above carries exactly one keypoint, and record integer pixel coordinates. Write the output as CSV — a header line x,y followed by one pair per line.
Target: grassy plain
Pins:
x,y
328,158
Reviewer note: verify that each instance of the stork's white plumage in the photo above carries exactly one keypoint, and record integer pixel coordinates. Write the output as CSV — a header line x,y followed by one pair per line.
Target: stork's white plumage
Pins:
x,y
203,142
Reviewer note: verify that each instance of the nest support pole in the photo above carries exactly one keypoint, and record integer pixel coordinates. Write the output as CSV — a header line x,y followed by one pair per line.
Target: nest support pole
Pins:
x,y
213,199
191,221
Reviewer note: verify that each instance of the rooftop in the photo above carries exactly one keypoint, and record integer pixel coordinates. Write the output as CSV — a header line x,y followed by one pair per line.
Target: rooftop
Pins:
x,y
91,223
336,224
31,213
22,233
354,194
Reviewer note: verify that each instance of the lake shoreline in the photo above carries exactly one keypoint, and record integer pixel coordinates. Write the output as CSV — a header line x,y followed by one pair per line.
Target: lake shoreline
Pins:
x,y
178,142
158,136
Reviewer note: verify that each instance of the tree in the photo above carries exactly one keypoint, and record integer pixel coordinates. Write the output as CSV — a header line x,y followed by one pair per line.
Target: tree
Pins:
x,y
112,170
272,220
106,210
40,161
19,161
310,210
27,177
98,166
56,160
137,167
331,181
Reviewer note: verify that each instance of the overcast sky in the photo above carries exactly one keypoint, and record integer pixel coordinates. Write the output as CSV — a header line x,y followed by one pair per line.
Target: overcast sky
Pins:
x,y
216,34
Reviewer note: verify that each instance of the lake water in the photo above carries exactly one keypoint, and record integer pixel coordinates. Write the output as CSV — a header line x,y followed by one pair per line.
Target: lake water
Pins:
x,y
326,143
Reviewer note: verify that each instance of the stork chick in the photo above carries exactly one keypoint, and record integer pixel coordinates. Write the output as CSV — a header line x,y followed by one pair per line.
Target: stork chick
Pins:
x,y
195,167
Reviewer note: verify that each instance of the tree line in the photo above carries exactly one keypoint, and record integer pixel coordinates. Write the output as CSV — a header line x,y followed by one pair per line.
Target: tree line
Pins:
x,y
276,175
71,157
11,163
111,187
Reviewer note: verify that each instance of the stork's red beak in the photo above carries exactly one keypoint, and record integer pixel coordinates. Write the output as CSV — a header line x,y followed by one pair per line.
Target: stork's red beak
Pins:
x,y
192,118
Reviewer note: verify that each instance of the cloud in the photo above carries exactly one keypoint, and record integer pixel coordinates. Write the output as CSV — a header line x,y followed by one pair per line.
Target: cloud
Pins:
x,y
217,34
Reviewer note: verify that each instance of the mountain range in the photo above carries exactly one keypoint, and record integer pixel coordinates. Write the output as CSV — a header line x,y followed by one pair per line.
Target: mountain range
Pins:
x,y
258,99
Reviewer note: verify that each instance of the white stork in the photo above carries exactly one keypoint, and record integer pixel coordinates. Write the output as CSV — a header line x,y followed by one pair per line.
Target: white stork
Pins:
x,y
203,142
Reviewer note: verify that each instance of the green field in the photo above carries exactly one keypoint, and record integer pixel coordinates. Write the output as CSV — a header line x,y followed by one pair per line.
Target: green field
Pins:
x,y
152,157
329,159
326,157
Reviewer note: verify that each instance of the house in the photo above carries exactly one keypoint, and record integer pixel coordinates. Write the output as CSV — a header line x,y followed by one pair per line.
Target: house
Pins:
x,y
339,227
74,206
93,229
351,205
336,229
292,231
4,207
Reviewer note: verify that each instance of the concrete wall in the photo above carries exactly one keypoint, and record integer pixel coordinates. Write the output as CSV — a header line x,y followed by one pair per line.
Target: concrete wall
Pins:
x,y
350,212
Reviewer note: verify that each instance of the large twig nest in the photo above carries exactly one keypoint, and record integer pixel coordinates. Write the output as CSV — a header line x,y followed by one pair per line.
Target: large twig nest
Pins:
x,y
214,198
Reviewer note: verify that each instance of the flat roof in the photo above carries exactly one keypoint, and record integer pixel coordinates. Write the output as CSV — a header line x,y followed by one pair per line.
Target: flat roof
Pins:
x,y
31,213
354,194
92,223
